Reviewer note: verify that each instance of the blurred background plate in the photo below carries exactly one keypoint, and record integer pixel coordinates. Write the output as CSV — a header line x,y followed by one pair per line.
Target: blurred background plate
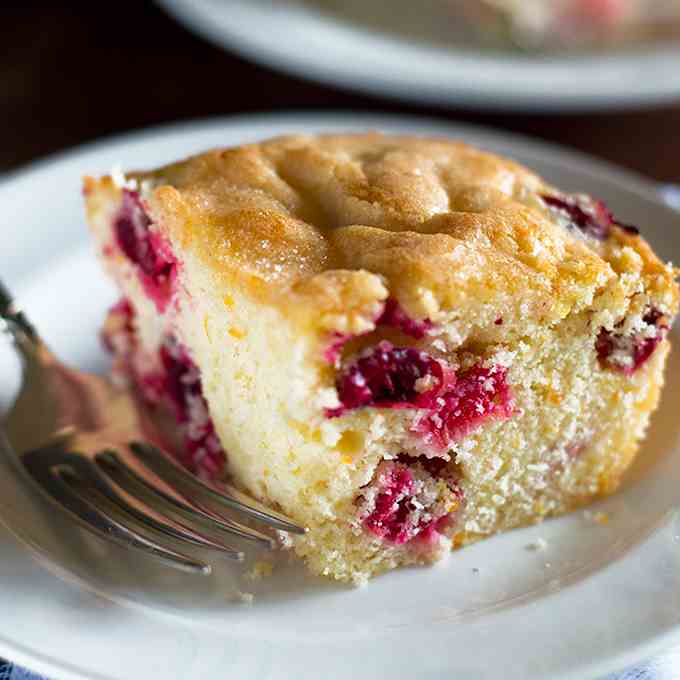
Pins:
x,y
334,47
598,598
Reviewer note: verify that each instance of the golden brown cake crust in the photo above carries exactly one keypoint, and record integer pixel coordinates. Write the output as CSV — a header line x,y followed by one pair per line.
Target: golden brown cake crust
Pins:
x,y
331,225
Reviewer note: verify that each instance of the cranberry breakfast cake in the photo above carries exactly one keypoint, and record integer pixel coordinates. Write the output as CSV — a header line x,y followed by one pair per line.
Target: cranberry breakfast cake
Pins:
x,y
405,344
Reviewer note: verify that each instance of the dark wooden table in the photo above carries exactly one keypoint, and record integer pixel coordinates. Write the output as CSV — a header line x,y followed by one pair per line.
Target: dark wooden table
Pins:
x,y
70,73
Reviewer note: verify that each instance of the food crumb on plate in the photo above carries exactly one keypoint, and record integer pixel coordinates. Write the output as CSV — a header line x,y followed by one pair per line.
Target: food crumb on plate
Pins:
x,y
245,598
283,540
601,518
259,570
537,545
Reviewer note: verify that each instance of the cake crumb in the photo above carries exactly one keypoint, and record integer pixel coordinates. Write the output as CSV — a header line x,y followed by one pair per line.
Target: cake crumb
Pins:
x,y
601,518
439,344
120,181
259,570
237,333
537,546
283,539
425,384
245,598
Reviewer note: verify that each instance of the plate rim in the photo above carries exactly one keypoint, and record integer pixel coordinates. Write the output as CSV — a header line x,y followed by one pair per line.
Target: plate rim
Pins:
x,y
630,181
588,163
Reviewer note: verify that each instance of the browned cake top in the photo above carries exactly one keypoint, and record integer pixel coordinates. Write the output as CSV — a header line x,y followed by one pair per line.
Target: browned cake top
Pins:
x,y
337,223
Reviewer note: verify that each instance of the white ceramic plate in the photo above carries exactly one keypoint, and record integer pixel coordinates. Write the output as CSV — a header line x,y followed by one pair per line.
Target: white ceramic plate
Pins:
x,y
598,598
301,39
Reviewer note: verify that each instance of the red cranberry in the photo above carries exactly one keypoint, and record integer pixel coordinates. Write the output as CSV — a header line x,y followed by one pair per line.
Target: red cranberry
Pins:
x,y
629,228
613,348
181,378
593,220
177,383
334,350
396,512
157,266
182,386
393,315
121,316
653,316
386,376
125,309
389,519
478,394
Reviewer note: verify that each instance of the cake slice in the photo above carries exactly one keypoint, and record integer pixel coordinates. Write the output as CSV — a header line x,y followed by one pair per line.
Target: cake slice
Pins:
x,y
405,344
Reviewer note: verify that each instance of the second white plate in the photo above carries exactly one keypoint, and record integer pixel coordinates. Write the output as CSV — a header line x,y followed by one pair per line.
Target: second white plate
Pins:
x,y
311,43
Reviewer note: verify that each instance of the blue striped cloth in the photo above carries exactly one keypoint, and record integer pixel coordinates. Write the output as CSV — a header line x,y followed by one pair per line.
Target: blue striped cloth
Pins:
x,y
666,667
9,671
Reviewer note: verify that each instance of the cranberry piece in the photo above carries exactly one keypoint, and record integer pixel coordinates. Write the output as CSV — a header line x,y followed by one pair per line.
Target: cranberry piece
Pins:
x,y
596,220
393,315
125,309
182,386
334,350
146,249
652,317
593,219
478,394
629,228
387,376
401,509
119,324
403,377
132,232
179,379
627,353
177,383
389,517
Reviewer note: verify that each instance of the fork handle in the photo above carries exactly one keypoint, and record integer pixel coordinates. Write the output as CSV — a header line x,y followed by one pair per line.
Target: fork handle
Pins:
x,y
14,321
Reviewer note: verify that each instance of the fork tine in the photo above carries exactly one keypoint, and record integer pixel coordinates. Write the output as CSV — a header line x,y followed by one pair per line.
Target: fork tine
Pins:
x,y
189,485
96,521
97,489
155,497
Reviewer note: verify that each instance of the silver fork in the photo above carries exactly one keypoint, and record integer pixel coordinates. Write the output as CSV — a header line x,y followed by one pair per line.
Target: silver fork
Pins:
x,y
93,450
